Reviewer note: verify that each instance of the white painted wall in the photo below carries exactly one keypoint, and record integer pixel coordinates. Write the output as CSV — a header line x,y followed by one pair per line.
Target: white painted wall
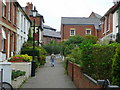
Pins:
x,y
115,24
23,67
6,66
22,30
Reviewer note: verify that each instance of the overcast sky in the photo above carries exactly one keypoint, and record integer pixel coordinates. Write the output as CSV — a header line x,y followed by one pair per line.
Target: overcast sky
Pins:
x,y
53,10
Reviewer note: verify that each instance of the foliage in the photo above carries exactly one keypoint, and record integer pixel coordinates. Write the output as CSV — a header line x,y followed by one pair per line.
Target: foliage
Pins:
x,y
24,58
91,38
39,53
70,44
96,60
67,59
76,53
52,48
77,39
17,73
116,67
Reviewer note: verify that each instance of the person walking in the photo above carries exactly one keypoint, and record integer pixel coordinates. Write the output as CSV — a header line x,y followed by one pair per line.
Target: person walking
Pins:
x,y
52,58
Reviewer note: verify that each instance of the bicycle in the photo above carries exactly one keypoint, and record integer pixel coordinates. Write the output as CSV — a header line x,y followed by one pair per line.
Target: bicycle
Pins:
x,y
4,85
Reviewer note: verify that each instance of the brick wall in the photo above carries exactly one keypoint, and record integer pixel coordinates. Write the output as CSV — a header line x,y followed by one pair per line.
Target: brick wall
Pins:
x,y
79,78
79,30
47,39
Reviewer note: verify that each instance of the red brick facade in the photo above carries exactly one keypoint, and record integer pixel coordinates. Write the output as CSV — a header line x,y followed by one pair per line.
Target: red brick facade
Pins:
x,y
107,24
79,30
9,24
47,39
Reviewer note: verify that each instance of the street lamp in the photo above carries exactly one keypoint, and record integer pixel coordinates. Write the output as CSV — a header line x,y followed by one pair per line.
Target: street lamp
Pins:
x,y
33,57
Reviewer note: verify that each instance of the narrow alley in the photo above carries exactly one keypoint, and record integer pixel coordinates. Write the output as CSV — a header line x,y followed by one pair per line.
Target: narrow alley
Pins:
x,y
50,77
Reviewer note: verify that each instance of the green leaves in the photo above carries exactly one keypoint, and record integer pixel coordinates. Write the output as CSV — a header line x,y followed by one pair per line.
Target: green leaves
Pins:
x,y
116,67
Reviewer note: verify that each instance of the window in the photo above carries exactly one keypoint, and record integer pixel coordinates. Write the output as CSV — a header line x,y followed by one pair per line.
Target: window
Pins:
x,y
4,8
3,39
72,32
24,26
13,42
21,23
108,23
9,11
14,14
88,31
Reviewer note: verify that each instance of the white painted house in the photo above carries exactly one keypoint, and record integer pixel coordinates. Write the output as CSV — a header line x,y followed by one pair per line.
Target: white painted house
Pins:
x,y
23,26
116,18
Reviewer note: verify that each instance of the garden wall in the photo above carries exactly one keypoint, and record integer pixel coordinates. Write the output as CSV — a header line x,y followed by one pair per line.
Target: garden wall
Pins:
x,y
80,79
23,66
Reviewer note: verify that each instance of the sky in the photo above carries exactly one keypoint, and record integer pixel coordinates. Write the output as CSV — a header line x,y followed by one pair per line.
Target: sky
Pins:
x,y
53,10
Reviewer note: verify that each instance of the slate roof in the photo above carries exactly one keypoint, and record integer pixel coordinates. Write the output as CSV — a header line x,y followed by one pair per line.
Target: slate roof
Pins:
x,y
51,32
81,21
97,15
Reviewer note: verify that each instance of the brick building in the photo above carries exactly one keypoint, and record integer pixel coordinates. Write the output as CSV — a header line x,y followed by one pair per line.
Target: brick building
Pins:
x,y
8,29
71,26
39,20
50,34
110,23
14,28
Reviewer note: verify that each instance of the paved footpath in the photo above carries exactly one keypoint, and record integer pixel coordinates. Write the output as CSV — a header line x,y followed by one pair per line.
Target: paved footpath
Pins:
x,y
50,77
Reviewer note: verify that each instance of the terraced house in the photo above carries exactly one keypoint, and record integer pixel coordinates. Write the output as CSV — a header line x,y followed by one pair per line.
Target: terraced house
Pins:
x,y
14,26
111,23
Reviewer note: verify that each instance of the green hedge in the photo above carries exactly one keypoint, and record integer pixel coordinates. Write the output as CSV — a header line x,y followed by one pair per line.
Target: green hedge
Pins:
x,y
97,60
116,68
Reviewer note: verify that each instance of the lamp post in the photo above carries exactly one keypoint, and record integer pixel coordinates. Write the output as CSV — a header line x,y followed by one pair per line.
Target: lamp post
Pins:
x,y
33,57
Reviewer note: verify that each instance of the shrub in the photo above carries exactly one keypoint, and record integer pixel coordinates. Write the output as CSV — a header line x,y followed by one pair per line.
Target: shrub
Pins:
x,y
67,59
24,58
17,73
116,67
52,48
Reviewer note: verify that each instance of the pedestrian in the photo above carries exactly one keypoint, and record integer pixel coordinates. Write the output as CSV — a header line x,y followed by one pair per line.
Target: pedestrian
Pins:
x,y
52,58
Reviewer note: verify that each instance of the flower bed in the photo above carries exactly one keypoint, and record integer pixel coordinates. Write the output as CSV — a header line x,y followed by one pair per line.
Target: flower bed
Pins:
x,y
21,58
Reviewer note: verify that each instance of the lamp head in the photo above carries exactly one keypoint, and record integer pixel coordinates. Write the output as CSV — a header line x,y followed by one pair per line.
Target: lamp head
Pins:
x,y
34,12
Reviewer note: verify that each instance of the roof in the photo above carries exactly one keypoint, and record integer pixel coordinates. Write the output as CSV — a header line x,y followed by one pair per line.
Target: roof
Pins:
x,y
95,15
48,27
112,9
81,21
50,32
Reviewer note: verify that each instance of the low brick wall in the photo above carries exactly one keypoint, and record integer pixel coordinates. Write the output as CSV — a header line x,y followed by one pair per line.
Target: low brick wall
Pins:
x,y
80,79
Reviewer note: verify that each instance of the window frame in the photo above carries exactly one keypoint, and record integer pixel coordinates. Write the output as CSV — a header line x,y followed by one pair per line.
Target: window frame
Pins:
x,y
72,33
89,30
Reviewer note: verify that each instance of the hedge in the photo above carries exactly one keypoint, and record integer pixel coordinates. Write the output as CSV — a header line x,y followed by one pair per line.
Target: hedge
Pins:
x,y
116,68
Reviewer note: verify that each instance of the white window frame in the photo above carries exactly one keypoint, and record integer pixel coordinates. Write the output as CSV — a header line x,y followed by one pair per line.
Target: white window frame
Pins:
x,y
72,33
87,32
3,39
9,11
3,9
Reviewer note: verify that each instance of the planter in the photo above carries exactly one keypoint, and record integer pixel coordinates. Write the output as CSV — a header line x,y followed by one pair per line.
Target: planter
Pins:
x,y
17,82
22,66
17,61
